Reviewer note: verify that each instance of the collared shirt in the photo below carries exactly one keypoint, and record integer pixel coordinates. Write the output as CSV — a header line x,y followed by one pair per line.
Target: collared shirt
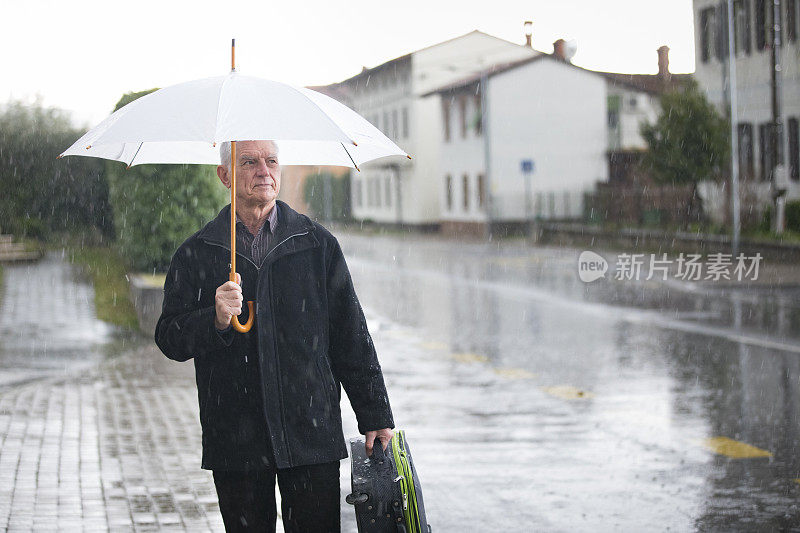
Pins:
x,y
256,247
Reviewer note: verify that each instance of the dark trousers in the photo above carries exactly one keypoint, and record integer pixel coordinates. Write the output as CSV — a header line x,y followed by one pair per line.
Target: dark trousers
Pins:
x,y
309,499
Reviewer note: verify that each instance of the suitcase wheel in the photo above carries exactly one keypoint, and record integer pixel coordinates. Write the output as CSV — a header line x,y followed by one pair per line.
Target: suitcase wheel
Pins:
x,y
354,499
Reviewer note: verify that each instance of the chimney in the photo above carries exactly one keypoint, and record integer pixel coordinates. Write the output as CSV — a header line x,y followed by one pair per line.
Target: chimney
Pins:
x,y
559,49
528,33
663,63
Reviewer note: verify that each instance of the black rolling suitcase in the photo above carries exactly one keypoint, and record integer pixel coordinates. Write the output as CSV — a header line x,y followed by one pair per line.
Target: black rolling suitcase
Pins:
x,y
386,491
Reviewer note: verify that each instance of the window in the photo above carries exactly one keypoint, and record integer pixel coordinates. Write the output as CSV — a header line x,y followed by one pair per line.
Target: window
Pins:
x,y
741,26
763,24
446,118
387,128
404,115
377,188
721,45
614,102
745,133
478,114
481,191
359,193
794,149
387,187
462,112
792,19
395,124
448,191
707,34
465,181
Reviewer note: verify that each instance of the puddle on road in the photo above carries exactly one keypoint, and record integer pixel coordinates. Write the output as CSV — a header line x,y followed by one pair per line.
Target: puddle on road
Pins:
x,y
48,324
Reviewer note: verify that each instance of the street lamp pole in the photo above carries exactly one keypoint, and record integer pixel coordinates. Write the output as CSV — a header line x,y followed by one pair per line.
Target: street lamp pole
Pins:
x,y
737,225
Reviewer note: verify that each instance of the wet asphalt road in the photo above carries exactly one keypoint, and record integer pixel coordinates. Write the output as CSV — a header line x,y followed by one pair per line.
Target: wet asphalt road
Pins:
x,y
534,401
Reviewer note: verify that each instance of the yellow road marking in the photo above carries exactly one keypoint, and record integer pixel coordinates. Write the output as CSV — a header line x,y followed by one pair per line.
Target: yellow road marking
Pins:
x,y
514,373
434,346
567,392
469,357
733,448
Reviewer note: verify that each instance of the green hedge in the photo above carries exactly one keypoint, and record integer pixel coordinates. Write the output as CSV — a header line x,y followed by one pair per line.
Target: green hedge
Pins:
x,y
315,192
156,207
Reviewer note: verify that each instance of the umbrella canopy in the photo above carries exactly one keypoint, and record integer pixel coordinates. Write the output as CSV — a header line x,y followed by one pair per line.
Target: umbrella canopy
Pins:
x,y
183,124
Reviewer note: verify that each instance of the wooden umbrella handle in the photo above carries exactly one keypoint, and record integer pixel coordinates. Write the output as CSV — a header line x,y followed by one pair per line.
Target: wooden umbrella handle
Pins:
x,y
241,328
244,328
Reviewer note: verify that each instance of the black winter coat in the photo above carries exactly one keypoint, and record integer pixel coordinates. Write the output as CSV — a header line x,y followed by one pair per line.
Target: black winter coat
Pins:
x,y
271,396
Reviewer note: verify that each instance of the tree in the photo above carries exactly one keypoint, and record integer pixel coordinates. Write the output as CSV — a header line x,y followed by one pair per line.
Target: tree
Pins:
x,y
690,140
42,195
156,207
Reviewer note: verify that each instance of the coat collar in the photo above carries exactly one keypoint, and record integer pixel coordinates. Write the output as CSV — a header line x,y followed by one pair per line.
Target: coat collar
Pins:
x,y
290,223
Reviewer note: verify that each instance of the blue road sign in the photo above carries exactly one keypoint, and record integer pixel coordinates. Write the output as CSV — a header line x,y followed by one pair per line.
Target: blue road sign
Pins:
x,y
527,166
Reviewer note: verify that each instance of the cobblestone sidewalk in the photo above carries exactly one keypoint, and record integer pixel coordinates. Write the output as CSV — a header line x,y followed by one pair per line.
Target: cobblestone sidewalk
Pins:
x,y
115,448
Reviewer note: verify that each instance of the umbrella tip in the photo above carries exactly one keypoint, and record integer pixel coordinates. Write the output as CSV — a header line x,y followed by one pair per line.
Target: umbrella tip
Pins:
x,y
408,156
88,146
355,143
358,168
127,167
59,156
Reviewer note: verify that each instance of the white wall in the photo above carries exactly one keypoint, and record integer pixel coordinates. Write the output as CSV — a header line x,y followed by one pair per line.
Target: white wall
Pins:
x,y
556,115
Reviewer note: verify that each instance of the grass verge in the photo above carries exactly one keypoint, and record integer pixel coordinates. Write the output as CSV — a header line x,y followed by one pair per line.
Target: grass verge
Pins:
x,y
108,273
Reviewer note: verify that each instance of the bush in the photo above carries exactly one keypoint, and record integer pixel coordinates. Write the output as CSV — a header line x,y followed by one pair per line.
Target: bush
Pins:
x,y
793,216
42,195
314,193
156,207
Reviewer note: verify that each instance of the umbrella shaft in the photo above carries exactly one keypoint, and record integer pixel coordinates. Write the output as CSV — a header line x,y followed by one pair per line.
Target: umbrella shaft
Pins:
x,y
233,211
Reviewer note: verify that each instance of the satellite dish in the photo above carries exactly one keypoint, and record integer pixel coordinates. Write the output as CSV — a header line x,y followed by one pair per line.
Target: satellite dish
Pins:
x,y
570,49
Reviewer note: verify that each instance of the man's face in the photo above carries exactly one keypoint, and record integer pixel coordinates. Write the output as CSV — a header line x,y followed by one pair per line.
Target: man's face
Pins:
x,y
258,174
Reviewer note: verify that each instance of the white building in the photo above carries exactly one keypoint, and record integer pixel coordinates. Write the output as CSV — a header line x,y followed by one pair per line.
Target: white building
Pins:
x,y
753,39
570,126
390,96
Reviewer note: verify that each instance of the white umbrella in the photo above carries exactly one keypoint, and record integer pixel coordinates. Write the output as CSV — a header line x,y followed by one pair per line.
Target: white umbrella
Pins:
x,y
183,124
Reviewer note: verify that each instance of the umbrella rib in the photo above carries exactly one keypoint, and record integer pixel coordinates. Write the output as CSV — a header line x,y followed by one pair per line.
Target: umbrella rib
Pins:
x,y
350,156
134,155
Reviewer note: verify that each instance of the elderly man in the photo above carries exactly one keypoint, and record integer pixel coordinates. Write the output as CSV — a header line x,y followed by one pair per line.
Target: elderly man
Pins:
x,y
269,398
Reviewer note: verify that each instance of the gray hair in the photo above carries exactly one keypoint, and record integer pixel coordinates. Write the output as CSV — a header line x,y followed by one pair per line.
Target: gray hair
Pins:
x,y
225,153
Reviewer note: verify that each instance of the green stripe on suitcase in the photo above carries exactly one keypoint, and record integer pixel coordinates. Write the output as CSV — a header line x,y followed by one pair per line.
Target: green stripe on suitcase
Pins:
x,y
410,509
